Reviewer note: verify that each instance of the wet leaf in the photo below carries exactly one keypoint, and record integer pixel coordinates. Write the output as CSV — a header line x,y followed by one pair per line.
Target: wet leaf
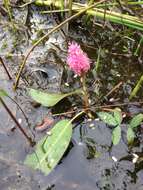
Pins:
x,y
51,148
116,135
49,99
118,116
3,93
130,135
136,121
107,118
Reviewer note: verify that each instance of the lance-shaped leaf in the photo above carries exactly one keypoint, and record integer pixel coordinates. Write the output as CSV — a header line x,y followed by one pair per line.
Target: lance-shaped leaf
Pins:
x,y
130,135
51,148
118,115
49,99
116,135
136,121
107,118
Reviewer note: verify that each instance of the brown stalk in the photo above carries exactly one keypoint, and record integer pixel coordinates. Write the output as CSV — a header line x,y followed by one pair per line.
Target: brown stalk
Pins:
x,y
5,68
31,142
85,96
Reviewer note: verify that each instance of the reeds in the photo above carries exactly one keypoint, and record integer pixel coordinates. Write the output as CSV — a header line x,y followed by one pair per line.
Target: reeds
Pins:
x,y
109,15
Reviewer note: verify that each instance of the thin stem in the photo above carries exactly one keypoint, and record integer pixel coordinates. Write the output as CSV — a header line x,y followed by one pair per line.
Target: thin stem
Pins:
x,y
77,115
86,101
6,70
139,46
86,96
70,7
113,89
137,87
26,118
100,107
32,143
58,11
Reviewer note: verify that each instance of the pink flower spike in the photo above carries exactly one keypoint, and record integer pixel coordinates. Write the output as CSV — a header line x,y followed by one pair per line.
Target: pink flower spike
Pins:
x,y
77,60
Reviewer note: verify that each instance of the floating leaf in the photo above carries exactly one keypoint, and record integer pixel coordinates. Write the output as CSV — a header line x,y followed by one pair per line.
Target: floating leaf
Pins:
x,y
130,135
49,99
51,148
3,93
118,115
107,118
116,135
136,121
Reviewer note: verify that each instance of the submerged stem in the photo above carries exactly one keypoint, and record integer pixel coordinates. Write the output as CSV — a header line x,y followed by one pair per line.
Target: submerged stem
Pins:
x,y
86,96
5,68
32,143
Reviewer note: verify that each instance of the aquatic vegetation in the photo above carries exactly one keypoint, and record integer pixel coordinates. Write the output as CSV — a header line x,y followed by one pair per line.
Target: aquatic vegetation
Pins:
x,y
3,93
79,63
50,99
77,59
133,124
103,75
47,159
5,68
119,18
137,88
45,37
51,148
115,119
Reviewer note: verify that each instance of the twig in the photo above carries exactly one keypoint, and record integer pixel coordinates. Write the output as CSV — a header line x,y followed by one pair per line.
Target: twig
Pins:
x,y
117,105
100,107
6,70
46,35
113,89
32,143
28,3
57,11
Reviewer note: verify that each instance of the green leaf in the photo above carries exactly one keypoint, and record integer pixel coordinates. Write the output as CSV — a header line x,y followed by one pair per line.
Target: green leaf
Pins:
x,y
116,135
130,135
3,93
51,148
107,118
49,99
136,121
118,115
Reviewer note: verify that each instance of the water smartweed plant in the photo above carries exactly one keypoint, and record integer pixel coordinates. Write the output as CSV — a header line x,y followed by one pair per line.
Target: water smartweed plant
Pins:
x,y
48,152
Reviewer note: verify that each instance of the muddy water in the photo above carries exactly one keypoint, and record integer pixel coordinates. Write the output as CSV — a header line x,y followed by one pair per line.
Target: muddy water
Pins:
x,y
91,161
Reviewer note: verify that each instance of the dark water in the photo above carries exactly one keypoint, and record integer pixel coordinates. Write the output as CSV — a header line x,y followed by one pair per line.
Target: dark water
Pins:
x,y
91,161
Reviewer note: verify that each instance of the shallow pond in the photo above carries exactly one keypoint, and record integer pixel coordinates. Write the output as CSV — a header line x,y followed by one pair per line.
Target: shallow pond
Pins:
x,y
91,162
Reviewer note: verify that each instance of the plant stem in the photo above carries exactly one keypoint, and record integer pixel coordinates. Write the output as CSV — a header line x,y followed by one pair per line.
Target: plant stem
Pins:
x,y
32,143
6,70
118,18
70,7
86,97
86,101
137,87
